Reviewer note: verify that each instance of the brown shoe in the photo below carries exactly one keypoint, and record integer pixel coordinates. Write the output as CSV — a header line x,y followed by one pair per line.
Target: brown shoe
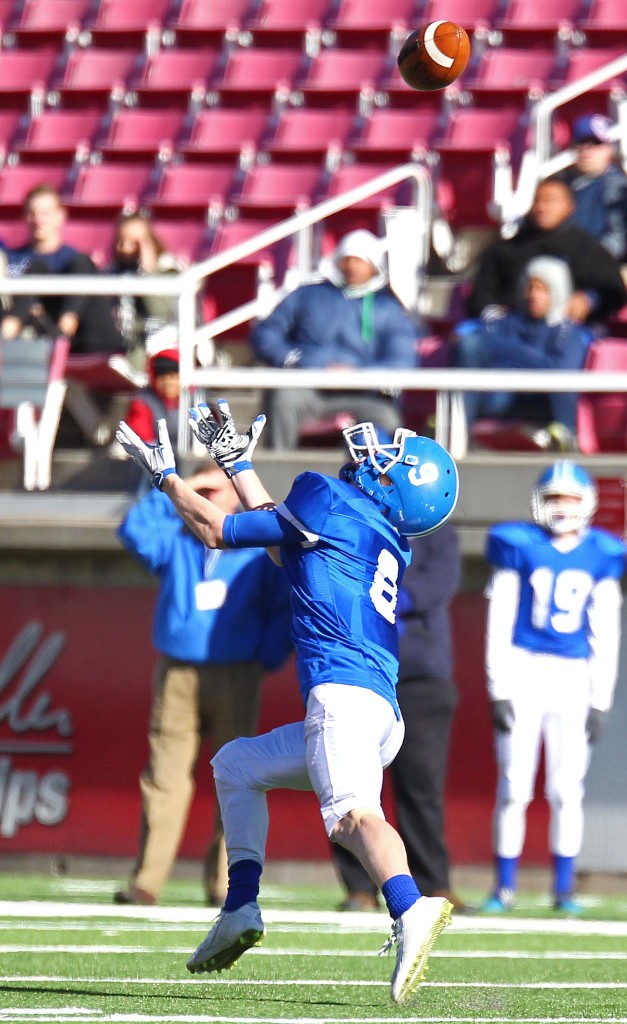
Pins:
x,y
133,895
360,901
459,905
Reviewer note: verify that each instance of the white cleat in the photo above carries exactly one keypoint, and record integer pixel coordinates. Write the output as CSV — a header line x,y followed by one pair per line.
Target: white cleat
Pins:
x,y
232,934
415,932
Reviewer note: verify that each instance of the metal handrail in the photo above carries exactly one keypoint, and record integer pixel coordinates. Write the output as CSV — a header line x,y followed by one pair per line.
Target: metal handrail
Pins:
x,y
548,104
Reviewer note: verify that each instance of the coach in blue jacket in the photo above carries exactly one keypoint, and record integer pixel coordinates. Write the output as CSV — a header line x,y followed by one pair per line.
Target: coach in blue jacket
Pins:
x,y
349,321
221,618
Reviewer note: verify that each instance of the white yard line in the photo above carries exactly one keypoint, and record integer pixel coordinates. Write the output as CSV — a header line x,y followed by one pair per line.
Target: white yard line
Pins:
x,y
72,1015
100,949
310,982
354,922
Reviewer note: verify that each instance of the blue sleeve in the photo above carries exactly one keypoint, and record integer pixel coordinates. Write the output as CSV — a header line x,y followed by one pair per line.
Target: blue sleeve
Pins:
x,y
259,529
502,546
148,529
307,505
270,338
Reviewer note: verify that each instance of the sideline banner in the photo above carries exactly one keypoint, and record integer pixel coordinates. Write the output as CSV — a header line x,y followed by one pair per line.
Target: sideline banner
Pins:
x,y
75,675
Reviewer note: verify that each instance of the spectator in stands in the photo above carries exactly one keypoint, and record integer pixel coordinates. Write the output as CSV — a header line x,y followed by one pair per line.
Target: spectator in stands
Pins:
x,y
159,399
599,184
348,321
538,336
549,230
86,320
139,250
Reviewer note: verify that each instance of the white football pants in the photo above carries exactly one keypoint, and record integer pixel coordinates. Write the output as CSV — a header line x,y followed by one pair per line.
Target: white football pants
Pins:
x,y
349,735
551,700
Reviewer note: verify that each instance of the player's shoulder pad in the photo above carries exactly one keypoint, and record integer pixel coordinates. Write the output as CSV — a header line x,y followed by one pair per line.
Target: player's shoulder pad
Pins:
x,y
505,540
613,548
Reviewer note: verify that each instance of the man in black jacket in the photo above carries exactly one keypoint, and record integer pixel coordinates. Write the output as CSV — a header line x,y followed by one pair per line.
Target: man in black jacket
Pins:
x,y
427,696
549,230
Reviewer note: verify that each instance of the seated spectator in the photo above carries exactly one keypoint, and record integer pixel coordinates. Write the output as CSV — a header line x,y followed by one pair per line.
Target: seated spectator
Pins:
x,y
350,320
159,400
599,185
138,250
539,336
549,230
86,320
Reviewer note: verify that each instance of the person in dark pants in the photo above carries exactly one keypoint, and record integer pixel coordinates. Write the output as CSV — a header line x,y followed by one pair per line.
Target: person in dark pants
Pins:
x,y
428,697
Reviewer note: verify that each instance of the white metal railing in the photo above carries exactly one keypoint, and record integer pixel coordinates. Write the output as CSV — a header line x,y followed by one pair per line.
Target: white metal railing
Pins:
x,y
538,162
185,286
448,383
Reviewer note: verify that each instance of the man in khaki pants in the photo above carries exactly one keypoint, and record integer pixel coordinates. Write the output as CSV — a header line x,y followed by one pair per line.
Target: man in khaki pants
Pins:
x,y
221,618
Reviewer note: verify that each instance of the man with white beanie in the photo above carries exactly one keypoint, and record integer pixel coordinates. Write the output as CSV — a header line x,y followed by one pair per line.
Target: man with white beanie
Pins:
x,y
348,321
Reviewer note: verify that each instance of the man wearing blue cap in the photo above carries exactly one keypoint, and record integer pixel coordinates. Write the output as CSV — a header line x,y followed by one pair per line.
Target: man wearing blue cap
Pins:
x,y
599,184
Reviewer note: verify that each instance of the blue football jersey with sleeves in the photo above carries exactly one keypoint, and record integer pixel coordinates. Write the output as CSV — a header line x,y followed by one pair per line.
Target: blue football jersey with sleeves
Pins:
x,y
345,572
556,586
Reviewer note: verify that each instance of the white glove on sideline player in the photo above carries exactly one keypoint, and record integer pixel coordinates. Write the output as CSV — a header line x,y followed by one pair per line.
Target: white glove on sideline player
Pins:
x,y
156,459
232,451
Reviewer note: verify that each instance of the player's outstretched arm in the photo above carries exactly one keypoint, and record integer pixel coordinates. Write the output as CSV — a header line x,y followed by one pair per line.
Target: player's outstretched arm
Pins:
x,y
232,451
203,517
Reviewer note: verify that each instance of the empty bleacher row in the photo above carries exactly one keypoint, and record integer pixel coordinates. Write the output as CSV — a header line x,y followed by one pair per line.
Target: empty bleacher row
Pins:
x,y
205,111
221,117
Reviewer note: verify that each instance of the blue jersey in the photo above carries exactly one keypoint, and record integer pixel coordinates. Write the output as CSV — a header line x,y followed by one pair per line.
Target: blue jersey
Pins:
x,y
345,563
556,587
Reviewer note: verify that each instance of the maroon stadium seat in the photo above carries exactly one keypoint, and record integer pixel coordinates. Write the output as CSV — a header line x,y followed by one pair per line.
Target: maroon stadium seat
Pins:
x,y
183,238
256,77
138,132
58,133
92,77
222,133
37,22
341,77
10,122
17,181
109,186
284,23
198,22
396,134
95,237
302,132
171,76
602,418
371,23
24,73
279,187
193,188
534,23
604,21
507,76
471,14
126,22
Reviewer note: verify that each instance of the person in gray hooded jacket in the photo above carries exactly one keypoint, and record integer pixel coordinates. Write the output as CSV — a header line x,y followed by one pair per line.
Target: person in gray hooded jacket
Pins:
x,y
349,320
538,336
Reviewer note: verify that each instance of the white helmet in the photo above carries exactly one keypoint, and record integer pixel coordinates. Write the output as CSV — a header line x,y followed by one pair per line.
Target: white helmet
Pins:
x,y
564,478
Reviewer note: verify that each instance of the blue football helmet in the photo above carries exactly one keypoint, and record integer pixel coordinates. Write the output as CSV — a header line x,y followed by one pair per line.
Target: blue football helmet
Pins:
x,y
564,478
423,481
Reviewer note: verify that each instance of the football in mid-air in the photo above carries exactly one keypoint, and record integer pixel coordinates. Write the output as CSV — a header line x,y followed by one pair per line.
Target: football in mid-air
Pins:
x,y
434,56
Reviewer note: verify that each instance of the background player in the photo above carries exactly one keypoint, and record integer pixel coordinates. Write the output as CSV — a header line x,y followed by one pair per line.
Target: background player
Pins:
x,y
552,659
343,547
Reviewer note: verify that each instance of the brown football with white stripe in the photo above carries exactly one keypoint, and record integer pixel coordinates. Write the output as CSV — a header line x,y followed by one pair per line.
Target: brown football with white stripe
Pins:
x,y
434,56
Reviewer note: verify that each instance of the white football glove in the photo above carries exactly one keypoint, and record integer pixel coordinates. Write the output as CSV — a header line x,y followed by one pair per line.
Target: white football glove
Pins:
x,y
232,451
156,459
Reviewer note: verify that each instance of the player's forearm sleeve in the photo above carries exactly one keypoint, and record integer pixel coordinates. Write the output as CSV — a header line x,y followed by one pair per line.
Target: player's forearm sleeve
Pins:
x,y
503,593
258,529
604,617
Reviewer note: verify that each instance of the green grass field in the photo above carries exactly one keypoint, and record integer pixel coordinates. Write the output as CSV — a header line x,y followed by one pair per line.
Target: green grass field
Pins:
x,y
69,955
